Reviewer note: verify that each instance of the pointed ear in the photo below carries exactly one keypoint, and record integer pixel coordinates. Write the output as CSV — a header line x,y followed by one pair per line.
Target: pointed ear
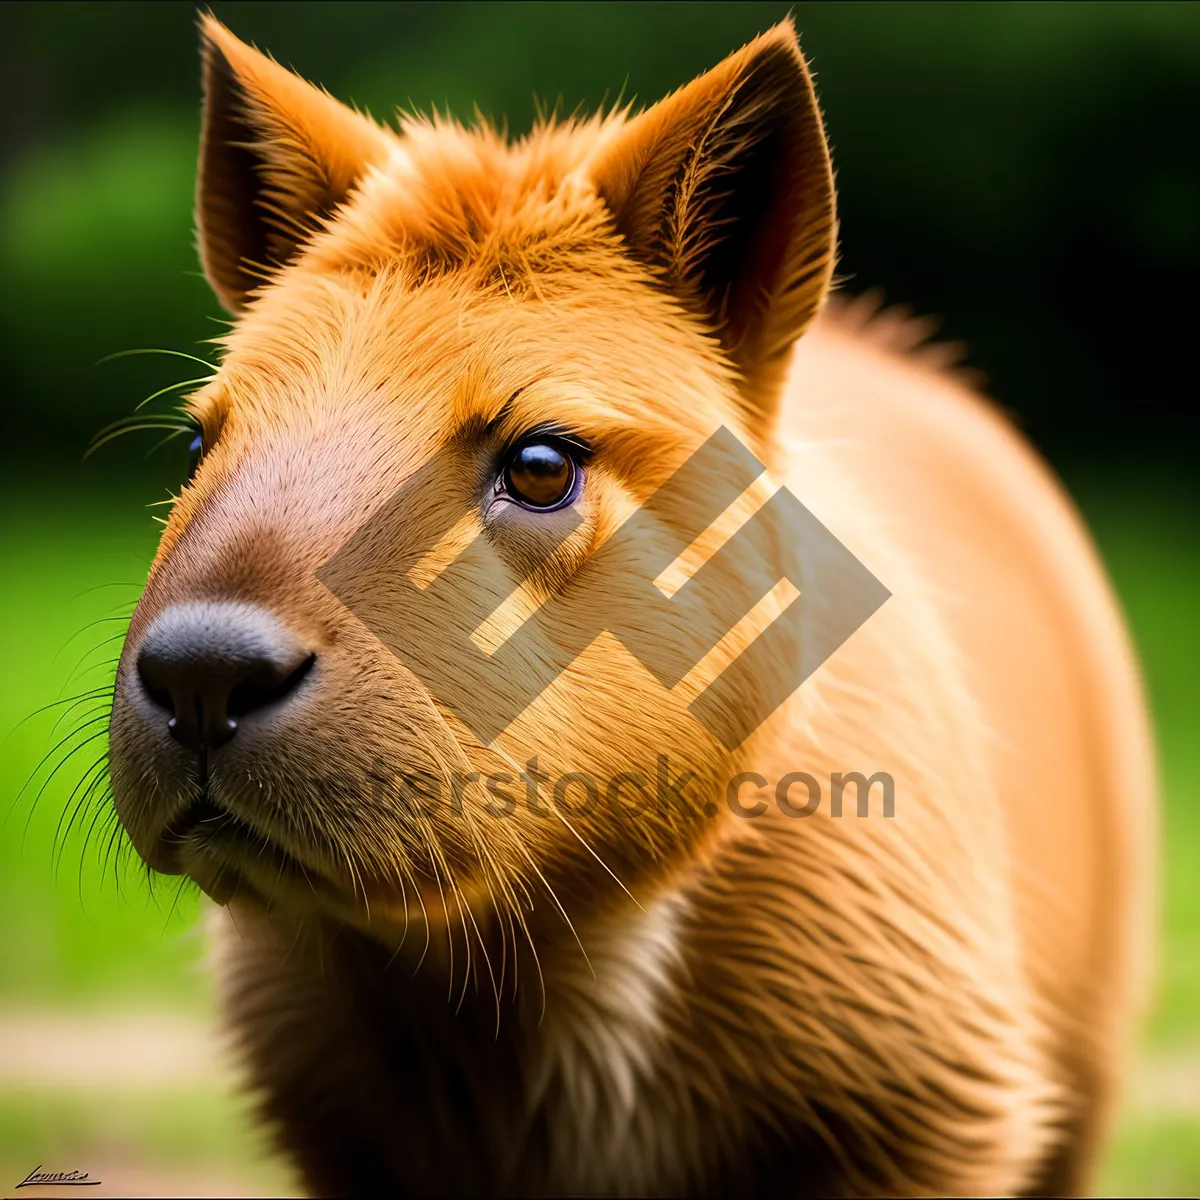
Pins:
x,y
276,155
725,190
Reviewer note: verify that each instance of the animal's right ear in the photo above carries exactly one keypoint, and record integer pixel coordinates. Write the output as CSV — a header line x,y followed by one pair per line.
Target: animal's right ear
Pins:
x,y
276,155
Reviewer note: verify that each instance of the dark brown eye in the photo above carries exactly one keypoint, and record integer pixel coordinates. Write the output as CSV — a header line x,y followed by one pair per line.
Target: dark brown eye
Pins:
x,y
541,474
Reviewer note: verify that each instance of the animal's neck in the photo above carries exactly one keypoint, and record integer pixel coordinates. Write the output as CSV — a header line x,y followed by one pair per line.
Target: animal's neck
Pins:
x,y
598,1060
571,1072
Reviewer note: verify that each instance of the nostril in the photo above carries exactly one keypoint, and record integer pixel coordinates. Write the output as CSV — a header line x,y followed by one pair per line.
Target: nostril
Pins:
x,y
155,675
265,687
160,696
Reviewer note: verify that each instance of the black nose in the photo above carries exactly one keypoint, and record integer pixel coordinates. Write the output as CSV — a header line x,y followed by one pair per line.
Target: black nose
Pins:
x,y
209,665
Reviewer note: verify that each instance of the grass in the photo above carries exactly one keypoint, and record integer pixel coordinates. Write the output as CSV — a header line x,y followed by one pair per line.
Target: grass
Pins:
x,y
74,928
1149,535
1155,1156
89,935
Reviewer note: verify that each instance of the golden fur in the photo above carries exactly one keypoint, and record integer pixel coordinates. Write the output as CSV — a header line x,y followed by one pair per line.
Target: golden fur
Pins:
x,y
686,1001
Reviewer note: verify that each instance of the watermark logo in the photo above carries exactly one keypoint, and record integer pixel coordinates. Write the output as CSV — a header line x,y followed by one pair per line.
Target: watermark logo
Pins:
x,y
625,794
376,575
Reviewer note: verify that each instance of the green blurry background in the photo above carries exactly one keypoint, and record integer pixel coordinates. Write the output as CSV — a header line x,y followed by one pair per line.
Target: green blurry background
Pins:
x,y
1028,173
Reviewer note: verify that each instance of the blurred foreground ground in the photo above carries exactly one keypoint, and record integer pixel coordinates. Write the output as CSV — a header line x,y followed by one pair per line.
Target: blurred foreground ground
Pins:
x,y
107,1061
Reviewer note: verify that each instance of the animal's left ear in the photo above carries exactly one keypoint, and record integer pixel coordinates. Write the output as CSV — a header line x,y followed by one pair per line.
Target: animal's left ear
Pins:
x,y
725,189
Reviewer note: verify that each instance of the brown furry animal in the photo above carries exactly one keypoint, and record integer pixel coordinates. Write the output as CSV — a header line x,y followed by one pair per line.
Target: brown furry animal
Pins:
x,y
611,997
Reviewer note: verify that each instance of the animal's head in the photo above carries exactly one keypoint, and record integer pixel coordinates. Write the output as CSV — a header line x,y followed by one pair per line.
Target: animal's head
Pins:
x,y
556,325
